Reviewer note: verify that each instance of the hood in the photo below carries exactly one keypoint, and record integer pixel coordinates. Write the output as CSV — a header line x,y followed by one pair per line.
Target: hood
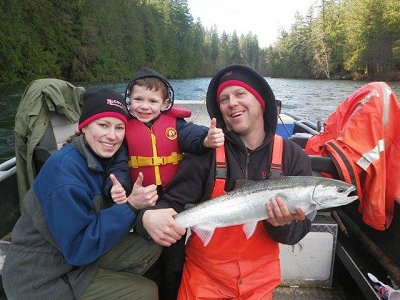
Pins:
x,y
144,73
263,88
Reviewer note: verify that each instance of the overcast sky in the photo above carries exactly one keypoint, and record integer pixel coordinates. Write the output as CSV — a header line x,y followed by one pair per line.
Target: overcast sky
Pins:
x,y
265,18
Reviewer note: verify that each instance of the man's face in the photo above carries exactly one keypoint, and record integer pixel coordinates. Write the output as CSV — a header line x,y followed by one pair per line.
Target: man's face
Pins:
x,y
146,105
241,111
105,135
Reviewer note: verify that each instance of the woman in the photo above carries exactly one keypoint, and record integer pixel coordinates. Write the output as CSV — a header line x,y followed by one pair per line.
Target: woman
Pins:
x,y
68,244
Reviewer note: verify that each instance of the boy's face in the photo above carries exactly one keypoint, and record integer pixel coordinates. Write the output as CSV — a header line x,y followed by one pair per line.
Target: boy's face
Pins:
x,y
146,104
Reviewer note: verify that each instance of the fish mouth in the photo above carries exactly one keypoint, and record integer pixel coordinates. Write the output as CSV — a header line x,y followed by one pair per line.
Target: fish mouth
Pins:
x,y
349,191
352,198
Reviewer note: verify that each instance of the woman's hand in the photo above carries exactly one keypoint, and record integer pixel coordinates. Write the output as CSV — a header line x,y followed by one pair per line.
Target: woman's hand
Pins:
x,y
141,196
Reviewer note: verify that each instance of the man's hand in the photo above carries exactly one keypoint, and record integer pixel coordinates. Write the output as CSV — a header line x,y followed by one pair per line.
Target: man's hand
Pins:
x,y
279,214
162,227
118,193
141,196
215,137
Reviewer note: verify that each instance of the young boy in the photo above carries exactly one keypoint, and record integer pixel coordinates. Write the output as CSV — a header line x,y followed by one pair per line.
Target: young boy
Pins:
x,y
157,136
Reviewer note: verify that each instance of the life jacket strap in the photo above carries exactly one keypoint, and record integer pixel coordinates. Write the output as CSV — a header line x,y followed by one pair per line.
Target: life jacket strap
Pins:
x,y
275,170
146,161
221,166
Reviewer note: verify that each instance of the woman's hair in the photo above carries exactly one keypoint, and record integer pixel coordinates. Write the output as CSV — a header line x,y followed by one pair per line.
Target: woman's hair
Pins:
x,y
69,139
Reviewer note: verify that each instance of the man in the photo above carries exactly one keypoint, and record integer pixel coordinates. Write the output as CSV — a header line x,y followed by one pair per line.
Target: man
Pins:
x,y
231,266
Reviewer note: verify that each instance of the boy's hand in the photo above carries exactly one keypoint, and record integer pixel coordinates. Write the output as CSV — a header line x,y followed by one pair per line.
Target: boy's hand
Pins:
x,y
215,137
117,192
141,196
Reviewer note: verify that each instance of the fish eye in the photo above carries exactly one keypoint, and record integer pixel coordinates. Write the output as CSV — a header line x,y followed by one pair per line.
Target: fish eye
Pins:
x,y
341,190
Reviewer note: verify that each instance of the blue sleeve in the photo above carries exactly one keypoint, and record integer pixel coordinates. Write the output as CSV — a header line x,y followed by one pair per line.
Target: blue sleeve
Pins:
x,y
191,137
119,167
82,234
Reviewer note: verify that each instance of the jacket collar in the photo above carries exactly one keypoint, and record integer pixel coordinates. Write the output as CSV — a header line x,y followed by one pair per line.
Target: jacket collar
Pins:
x,y
80,145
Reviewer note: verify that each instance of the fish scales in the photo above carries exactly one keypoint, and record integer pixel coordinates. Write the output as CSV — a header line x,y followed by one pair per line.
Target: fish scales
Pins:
x,y
247,205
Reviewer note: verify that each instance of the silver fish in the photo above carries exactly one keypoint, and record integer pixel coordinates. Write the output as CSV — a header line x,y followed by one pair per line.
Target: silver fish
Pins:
x,y
247,205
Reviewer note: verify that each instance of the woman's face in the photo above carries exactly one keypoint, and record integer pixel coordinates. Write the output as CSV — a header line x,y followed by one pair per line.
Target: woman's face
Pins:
x,y
105,135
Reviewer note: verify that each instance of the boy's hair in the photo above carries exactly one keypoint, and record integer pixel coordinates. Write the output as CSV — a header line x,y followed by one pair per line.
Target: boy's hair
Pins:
x,y
153,84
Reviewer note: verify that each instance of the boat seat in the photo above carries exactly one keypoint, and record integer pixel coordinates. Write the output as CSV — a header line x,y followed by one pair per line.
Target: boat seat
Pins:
x,y
319,164
323,164
57,132
300,138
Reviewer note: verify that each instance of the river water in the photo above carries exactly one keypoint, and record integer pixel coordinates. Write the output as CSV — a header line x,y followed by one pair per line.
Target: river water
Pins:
x,y
311,99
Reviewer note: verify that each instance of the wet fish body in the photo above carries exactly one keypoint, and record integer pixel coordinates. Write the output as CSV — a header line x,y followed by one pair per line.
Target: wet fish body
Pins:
x,y
247,205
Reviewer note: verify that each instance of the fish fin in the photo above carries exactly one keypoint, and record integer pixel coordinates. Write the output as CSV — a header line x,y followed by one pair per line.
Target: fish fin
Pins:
x,y
204,233
311,215
188,234
249,229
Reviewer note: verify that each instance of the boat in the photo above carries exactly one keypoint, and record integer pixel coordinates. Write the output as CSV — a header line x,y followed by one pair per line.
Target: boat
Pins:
x,y
339,239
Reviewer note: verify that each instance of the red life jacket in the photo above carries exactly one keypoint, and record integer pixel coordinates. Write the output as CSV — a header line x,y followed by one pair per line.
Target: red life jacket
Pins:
x,y
231,266
154,151
362,138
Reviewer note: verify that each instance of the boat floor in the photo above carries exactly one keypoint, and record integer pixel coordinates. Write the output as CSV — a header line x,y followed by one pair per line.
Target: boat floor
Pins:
x,y
288,293
343,288
298,293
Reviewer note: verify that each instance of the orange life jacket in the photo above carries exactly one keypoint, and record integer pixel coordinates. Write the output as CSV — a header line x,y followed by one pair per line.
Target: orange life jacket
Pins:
x,y
154,151
231,266
362,138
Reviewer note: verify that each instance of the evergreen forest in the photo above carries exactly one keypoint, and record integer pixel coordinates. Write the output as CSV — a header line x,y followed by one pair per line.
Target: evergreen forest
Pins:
x,y
93,40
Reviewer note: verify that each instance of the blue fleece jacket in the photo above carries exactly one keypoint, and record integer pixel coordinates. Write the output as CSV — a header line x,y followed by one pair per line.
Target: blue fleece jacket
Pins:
x,y
69,190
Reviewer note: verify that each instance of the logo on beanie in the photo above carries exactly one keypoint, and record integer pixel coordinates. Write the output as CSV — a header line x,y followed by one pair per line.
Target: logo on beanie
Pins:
x,y
229,73
171,133
116,103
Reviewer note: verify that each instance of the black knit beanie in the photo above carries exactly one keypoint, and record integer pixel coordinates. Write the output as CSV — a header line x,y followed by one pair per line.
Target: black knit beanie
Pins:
x,y
102,102
256,84
245,80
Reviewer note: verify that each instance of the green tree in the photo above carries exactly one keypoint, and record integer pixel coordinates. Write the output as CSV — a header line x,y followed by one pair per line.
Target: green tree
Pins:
x,y
371,34
292,53
235,54
250,50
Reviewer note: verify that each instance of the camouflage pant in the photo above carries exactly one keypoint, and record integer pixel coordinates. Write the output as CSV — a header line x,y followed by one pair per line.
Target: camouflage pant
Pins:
x,y
121,269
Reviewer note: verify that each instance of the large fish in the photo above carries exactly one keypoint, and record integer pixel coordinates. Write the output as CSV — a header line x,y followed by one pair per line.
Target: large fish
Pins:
x,y
247,205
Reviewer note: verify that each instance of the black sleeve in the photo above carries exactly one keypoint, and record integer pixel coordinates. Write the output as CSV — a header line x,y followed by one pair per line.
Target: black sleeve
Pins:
x,y
295,163
289,234
189,186
119,167
191,136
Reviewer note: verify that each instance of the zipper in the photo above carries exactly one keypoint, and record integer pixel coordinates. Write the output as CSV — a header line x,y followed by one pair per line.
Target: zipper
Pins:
x,y
247,164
